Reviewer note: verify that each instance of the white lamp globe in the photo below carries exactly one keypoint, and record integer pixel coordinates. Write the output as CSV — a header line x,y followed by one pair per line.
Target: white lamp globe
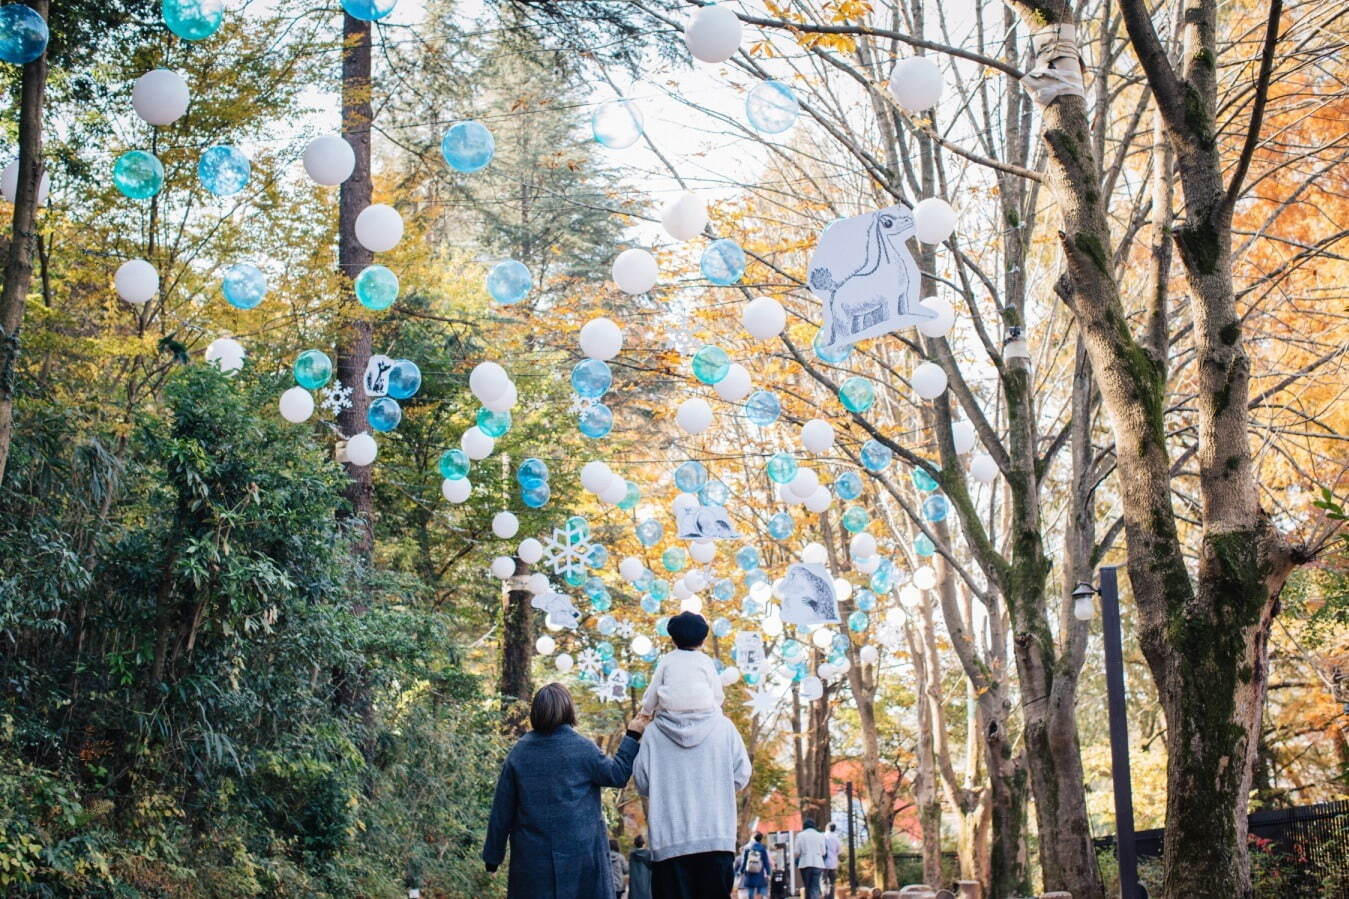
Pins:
x,y
616,492
505,525
682,503
379,228
764,318
136,281
537,583
506,401
713,34
862,546
933,220
983,469
916,83
729,675
867,564
596,476
529,550
804,483
297,404
694,415
695,580
929,380
563,662
476,445
635,271
456,491
503,567
736,385
703,551
631,569
488,381
545,645
684,217
963,436
601,338
9,184
924,578
817,435
814,553
329,160
225,353
160,97
869,655
941,325
640,645
819,501
693,604
361,450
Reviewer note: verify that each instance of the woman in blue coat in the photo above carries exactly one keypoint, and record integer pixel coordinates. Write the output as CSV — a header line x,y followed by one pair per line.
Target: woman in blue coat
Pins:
x,y
755,882
547,804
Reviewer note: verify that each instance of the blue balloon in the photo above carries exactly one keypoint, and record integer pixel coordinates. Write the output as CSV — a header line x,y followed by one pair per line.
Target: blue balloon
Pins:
x,y
598,557
454,464
936,507
368,10
781,526
138,174
663,627
405,379
781,467
376,287
224,171
855,519
531,473
660,588
883,578
858,621
312,369
384,414
591,378
750,607
691,476
650,605
723,589
721,627
923,546
649,533
631,498
923,481
596,421
23,34
791,649
536,496
467,146
674,559
714,493
244,285
747,558
711,364
875,455
493,424
755,576
848,486
509,282
617,124
762,408
832,355
865,599
857,394
193,20
771,107
723,262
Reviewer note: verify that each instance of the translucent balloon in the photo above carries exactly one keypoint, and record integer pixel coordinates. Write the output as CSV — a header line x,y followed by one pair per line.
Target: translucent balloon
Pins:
x,y
764,318
691,476
923,480
674,559
384,414
531,473
713,34
297,404
649,533
379,228
747,558
368,10
493,424
160,96
762,408
136,281
832,355
684,217
711,364
23,34
857,394
771,107
313,369
933,220
631,498
509,282
875,456
329,160
193,20
916,83
467,146
923,546
723,262
936,507
361,450
244,285
848,486
376,287
595,421
635,271
721,627
591,379
137,174
858,621
714,493
405,379
454,464
536,496
694,416
617,124
224,171
601,339
781,526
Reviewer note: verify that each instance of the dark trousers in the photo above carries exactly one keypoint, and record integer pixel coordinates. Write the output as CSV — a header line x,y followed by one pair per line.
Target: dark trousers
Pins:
x,y
827,882
703,875
810,879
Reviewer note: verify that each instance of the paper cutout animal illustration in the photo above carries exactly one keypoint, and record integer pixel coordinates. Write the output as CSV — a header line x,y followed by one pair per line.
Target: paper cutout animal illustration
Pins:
x,y
704,523
865,276
558,607
808,596
377,375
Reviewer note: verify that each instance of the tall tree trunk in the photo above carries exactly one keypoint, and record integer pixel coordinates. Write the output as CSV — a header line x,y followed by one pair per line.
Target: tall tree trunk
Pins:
x,y
818,763
925,783
19,260
516,685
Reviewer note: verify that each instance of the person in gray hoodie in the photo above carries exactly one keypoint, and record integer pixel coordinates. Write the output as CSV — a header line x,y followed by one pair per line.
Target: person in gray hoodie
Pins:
x,y
690,766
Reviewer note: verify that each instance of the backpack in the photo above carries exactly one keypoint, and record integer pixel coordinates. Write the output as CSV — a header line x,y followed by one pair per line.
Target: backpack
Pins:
x,y
753,861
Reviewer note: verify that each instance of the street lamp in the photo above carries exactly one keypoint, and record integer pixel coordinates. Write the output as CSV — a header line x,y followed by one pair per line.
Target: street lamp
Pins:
x,y
1083,607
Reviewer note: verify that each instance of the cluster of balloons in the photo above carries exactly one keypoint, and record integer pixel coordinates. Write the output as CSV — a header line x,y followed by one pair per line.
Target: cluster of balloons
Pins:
x,y
532,476
601,480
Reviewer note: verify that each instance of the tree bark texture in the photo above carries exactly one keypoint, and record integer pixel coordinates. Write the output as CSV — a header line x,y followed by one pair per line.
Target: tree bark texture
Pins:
x,y
516,685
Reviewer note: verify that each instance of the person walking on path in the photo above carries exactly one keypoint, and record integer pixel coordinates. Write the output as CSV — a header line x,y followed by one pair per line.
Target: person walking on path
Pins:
x,y
639,870
810,849
547,805
832,849
690,766
755,869
618,869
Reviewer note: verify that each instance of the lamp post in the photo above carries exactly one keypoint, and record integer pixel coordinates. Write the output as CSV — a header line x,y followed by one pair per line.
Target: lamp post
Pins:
x,y
1119,724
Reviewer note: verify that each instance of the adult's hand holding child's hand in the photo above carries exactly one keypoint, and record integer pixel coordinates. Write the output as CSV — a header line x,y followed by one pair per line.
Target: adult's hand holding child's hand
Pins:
x,y
638,725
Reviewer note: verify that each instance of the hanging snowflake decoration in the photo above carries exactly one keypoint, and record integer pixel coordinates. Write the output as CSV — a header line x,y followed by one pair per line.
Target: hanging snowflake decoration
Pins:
x,y
626,630
590,662
568,550
762,703
581,404
336,397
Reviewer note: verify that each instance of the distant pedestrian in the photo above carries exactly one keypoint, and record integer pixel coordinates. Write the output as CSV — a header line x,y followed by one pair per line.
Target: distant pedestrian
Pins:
x,y
756,868
618,869
639,870
832,848
810,849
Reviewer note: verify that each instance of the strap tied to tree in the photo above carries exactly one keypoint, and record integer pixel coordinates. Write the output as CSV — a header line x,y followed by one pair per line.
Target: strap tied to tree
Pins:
x,y
1057,64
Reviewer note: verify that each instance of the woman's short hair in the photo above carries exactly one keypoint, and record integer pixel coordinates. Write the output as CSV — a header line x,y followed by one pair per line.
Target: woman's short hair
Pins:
x,y
552,708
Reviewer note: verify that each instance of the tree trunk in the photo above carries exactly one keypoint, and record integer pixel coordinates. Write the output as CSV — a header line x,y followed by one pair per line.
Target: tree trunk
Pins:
x,y
925,783
516,685
19,260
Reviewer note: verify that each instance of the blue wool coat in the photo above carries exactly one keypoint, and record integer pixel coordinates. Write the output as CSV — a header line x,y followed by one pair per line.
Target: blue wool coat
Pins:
x,y
547,805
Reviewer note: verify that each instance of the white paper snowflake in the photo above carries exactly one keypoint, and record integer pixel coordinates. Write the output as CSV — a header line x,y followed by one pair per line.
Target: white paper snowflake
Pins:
x,y
581,404
588,661
336,397
626,630
762,703
568,550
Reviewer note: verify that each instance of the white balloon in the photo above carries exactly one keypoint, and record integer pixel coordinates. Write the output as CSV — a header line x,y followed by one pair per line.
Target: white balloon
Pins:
x,y
963,436
811,689
488,381
506,401
762,591
772,627
933,220
695,580
505,525
703,551
136,281
379,228
983,469
787,497
631,569
925,578
867,565
596,476
537,583
693,604
862,546
601,338
616,492
476,445
713,34
822,637
729,675
842,588
329,160
160,97
763,317
297,404
929,380
817,435
9,184
941,325
869,655
694,415
826,671
503,567
361,450
545,645
820,500
635,271
736,385
640,645
529,550
681,589
563,662
804,483
814,553
225,353
916,83
684,217
456,491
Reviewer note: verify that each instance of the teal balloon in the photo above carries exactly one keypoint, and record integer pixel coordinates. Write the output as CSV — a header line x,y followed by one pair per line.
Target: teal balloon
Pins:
x,y
714,493
454,465
578,530
224,171
923,481
691,476
509,282
596,421
781,467
858,621
376,287
536,496
574,578
467,146
650,605
749,607
649,532
755,576
781,526
791,649
865,600
313,369
674,559
857,394
631,498
137,174
762,408
834,355
638,680
591,378
723,589
883,578
936,507
660,589
605,649
405,379
771,107
663,627
848,486
23,34
368,10
923,546
747,558
721,627
532,472
598,557
617,124
244,285
193,20
723,262
384,414
493,424
711,364
854,519
875,455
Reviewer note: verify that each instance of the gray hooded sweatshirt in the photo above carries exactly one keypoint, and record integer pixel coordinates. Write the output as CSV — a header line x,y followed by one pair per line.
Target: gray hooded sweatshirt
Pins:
x,y
690,766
